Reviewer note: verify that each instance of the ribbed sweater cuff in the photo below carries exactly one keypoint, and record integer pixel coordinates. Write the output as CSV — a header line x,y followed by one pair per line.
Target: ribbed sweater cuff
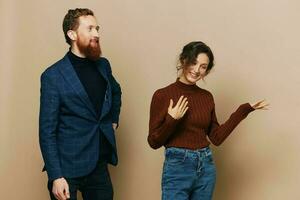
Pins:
x,y
245,109
170,122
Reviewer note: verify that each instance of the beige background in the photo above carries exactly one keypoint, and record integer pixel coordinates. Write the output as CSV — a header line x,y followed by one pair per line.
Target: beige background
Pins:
x,y
257,49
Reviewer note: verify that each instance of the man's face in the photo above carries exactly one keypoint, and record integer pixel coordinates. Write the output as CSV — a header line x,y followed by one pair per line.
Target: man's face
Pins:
x,y
88,37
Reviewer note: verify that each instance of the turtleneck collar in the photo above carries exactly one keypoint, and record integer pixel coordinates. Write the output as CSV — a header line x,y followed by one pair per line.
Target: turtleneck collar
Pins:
x,y
184,86
76,59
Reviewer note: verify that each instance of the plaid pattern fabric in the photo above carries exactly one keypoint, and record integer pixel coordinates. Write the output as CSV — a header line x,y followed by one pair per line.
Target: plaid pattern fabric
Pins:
x,y
68,124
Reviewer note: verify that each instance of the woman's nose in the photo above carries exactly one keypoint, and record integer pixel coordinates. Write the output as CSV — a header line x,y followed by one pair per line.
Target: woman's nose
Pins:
x,y
197,69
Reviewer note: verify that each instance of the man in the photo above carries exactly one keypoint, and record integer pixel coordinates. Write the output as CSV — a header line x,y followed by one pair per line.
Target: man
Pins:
x,y
79,112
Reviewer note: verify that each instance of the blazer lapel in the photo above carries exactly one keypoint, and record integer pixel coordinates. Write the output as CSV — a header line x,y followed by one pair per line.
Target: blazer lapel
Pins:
x,y
107,99
71,77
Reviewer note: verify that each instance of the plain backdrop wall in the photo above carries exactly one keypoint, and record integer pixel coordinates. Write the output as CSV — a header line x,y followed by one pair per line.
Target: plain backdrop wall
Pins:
x,y
257,48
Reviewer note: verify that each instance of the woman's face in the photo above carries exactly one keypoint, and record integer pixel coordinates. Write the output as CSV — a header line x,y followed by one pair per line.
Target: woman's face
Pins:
x,y
195,72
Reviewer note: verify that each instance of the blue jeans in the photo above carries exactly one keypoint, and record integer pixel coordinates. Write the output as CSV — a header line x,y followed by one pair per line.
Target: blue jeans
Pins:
x,y
94,186
188,174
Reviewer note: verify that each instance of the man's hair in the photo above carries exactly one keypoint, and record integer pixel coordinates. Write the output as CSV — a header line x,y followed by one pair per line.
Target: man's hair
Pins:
x,y
71,20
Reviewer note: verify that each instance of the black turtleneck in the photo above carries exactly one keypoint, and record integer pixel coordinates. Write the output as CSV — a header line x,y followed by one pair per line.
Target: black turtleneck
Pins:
x,y
95,86
91,79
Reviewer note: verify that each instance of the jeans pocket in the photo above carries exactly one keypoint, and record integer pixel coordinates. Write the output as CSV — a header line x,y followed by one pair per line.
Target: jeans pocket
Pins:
x,y
175,159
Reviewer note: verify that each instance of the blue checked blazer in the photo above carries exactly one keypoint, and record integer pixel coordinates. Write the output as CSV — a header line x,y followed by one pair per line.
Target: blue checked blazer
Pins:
x,y
68,124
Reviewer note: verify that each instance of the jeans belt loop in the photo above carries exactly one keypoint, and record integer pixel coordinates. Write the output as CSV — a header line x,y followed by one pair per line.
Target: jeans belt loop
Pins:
x,y
207,152
185,154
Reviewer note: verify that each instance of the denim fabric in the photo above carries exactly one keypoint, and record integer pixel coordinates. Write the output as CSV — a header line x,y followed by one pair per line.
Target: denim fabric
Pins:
x,y
188,174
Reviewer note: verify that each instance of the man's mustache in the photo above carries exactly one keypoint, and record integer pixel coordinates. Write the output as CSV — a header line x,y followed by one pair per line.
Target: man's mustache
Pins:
x,y
95,40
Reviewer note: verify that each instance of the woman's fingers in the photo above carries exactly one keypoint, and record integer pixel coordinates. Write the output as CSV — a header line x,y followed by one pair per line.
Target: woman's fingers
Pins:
x,y
260,105
179,101
171,104
263,106
184,111
184,105
181,105
179,109
256,103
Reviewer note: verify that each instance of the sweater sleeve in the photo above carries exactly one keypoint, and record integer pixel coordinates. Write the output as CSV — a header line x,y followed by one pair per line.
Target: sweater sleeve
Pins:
x,y
218,133
161,124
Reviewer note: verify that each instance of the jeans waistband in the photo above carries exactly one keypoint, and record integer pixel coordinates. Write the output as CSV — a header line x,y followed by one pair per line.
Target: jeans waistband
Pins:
x,y
206,151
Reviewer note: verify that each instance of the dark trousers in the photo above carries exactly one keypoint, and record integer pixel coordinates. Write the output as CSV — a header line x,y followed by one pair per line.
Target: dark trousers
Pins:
x,y
94,186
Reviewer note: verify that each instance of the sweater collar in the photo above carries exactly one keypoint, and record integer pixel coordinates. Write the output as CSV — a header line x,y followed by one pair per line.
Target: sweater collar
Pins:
x,y
78,60
184,86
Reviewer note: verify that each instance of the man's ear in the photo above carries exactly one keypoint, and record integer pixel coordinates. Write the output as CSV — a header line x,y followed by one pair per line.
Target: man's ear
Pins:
x,y
72,35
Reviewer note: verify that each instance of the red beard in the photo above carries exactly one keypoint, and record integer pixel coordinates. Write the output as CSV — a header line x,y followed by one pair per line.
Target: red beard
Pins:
x,y
92,51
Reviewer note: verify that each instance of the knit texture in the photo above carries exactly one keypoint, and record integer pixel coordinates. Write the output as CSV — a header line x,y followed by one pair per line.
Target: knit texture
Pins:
x,y
197,125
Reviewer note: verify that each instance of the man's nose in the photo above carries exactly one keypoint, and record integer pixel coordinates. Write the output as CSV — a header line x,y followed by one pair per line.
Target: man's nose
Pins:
x,y
95,33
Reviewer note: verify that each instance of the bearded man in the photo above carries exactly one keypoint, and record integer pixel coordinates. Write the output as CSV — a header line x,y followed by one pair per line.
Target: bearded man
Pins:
x,y
79,112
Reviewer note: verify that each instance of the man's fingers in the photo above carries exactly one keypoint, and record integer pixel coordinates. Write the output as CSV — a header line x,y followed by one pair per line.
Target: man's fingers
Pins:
x,y
61,195
60,189
55,193
67,192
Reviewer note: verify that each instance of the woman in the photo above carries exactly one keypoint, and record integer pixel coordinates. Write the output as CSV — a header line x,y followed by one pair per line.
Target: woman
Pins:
x,y
183,118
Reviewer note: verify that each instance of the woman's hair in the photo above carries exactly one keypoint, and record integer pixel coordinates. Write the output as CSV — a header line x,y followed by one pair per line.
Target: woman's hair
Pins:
x,y
190,53
71,21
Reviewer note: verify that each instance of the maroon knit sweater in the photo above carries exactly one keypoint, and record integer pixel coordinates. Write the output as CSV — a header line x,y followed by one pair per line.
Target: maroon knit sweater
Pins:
x,y
199,121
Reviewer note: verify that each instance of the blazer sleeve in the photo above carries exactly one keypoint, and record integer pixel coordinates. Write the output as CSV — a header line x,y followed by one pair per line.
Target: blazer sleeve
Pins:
x,y
116,95
48,121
